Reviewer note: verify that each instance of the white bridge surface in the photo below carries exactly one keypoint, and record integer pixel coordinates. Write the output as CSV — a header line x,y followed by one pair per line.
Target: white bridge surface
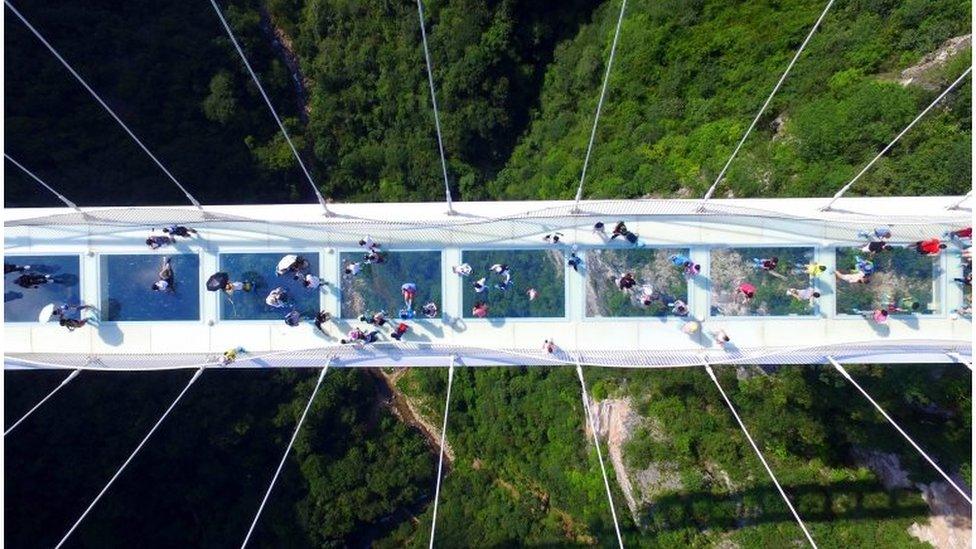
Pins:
x,y
619,342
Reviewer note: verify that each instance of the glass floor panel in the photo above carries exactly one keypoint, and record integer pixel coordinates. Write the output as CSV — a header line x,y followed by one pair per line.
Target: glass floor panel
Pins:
x,y
24,304
259,269
377,286
651,267
126,283
900,274
731,267
541,270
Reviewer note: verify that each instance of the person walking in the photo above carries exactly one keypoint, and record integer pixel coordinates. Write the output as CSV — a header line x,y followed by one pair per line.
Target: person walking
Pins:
x,y
179,230
931,247
805,294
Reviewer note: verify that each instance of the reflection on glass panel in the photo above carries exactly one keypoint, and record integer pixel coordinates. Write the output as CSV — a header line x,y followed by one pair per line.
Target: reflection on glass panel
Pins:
x,y
30,282
763,281
535,288
252,277
127,287
902,281
379,286
659,282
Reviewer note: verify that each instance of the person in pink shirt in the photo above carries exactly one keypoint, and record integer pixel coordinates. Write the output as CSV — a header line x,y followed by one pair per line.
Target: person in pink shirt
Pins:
x,y
746,290
878,316
480,309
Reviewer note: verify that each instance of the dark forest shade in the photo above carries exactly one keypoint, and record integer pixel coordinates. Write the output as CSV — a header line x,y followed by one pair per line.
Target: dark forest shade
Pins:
x,y
24,304
126,288
259,270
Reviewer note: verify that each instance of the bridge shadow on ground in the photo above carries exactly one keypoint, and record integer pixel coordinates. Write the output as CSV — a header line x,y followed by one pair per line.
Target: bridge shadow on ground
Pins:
x,y
844,500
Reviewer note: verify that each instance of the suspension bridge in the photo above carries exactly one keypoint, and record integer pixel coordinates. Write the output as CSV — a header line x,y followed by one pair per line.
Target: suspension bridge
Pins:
x,y
819,228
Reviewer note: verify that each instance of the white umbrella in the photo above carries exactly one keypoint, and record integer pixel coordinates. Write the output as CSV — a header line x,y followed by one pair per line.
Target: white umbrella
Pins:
x,y
46,312
286,262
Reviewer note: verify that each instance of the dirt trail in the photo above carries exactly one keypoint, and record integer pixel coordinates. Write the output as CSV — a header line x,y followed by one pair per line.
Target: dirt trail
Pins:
x,y
407,411
282,45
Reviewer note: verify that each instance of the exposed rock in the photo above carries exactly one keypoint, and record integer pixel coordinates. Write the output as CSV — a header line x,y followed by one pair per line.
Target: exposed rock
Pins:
x,y
886,466
950,526
919,74
778,125
615,421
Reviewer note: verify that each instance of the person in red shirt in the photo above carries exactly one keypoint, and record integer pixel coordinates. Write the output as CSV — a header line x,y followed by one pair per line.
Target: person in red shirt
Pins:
x,y
962,234
747,290
932,246
480,309
399,331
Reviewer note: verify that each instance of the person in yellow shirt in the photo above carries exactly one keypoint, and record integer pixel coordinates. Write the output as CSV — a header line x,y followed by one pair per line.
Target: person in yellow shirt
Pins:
x,y
812,269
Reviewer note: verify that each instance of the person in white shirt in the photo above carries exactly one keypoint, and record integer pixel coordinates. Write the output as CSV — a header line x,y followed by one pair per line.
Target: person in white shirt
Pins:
x,y
479,285
277,298
312,282
462,270
806,294
352,269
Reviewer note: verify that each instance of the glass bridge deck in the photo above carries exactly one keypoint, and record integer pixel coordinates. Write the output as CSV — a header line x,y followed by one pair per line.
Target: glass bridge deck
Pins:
x,y
541,296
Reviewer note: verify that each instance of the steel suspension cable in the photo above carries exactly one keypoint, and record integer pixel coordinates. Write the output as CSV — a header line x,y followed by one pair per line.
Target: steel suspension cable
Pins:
x,y
102,103
951,482
433,101
755,448
129,459
284,457
599,104
60,196
64,382
440,461
274,113
599,453
888,147
958,358
955,205
769,99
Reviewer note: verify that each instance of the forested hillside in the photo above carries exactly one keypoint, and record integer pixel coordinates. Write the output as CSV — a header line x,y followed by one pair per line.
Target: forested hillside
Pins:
x,y
517,84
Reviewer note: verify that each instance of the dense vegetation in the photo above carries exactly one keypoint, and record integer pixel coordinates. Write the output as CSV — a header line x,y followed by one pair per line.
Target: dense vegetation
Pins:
x,y
517,86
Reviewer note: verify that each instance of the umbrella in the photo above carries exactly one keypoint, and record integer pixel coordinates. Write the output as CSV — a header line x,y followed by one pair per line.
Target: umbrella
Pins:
x,y
46,312
217,281
286,262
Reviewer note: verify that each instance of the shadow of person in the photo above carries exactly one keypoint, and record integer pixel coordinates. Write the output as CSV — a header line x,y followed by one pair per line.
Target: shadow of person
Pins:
x,y
11,296
910,320
66,279
882,330
455,323
45,269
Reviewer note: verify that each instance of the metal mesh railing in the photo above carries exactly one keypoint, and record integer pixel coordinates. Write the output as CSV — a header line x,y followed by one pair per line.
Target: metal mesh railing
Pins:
x,y
466,230
439,355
